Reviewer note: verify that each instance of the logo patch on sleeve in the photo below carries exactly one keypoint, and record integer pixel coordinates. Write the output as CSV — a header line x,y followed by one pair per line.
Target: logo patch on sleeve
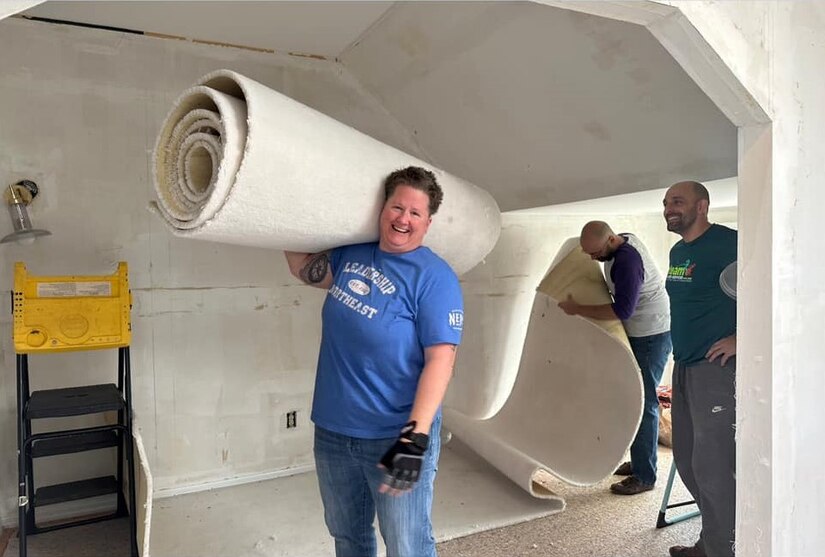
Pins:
x,y
456,319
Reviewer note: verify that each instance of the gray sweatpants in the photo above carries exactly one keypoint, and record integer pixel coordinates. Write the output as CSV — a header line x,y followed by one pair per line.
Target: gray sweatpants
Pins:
x,y
704,447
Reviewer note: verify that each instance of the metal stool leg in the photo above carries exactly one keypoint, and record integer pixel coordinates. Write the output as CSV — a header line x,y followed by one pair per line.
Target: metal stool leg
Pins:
x,y
22,429
130,453
662,520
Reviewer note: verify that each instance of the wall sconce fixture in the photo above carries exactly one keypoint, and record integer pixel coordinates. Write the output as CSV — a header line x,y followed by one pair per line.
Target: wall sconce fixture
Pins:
x,y
18,196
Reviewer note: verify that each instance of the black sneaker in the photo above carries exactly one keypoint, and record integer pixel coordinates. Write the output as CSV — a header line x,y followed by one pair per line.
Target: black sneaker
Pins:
x,y
624,469
631,485
686,551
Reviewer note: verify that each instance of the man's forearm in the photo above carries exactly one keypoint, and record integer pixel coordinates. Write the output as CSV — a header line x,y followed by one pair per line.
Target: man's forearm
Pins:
x,y
602,311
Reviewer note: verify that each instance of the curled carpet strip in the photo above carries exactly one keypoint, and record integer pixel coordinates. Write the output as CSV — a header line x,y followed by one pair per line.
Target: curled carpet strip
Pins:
x,y
576,400
239,163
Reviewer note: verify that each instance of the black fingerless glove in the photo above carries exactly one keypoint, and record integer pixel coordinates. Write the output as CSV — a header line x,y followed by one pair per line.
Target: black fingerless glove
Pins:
x,y
404,459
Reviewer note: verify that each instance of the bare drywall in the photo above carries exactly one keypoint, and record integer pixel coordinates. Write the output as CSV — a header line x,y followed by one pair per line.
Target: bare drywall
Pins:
x,y
798,353
225,340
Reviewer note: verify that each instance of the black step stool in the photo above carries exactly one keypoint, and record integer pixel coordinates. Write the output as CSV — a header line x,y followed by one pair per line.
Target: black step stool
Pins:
x,y
75,401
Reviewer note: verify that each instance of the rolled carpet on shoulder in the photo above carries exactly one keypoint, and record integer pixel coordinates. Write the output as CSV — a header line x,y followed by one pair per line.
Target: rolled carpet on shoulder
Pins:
x,y
239,163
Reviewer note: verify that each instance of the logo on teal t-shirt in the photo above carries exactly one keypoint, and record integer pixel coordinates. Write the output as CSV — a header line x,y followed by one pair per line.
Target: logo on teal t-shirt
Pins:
x,y
682,272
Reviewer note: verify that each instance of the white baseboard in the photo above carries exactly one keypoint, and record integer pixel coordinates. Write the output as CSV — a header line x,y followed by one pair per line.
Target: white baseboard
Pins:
x,y
101,504
164,492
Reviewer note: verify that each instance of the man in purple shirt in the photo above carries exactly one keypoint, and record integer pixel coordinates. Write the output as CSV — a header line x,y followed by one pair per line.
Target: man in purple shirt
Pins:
x,y
641,303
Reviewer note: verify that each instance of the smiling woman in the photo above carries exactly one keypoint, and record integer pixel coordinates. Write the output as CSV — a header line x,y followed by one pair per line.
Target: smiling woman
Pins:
x,y
392,319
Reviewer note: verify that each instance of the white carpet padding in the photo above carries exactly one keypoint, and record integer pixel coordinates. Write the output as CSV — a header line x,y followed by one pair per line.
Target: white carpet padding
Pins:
x,y
143,494
239,163
576,401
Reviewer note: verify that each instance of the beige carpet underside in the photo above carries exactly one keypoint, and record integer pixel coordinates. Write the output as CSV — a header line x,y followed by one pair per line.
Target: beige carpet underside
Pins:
x,y
576,400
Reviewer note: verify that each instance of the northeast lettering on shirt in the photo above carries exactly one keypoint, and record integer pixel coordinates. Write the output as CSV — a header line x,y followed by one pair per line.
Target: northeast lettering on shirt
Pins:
x,y
352,302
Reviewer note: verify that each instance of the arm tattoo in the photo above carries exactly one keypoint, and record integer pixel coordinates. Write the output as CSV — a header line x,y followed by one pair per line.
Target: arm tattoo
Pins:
x,y
316,268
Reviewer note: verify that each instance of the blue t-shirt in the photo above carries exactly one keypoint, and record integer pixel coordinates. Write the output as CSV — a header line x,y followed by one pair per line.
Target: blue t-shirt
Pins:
x,y
700,312
381,312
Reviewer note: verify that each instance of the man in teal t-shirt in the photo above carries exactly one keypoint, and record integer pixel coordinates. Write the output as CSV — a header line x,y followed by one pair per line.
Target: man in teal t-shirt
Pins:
x,y
703,330
705,314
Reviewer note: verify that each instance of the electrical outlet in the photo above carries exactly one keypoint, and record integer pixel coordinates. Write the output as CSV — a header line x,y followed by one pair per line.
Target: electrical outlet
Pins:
x,y
292,419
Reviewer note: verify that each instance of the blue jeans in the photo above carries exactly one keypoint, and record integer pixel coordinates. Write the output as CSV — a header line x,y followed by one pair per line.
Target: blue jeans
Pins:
x,y
651,354
349,478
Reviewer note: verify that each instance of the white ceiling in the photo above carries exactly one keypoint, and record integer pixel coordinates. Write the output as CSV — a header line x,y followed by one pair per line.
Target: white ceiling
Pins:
x,y
538,105
542,105
316,28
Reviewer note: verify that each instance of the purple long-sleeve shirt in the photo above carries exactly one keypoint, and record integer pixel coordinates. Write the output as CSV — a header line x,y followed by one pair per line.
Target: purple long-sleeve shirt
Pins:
x,y
627,274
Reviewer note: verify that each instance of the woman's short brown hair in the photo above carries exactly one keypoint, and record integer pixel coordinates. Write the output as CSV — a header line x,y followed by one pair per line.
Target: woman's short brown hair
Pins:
x,y
418,178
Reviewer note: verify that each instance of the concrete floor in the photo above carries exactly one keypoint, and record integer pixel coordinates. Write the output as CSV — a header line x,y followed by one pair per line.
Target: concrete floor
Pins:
x,y
595,522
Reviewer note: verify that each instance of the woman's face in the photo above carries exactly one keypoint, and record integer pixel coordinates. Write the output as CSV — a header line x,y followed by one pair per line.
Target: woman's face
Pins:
x,y
404,220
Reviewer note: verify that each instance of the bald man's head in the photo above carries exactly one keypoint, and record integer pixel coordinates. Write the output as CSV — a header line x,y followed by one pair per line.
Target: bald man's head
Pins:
x,y
596,240
596,229
698,190
686,207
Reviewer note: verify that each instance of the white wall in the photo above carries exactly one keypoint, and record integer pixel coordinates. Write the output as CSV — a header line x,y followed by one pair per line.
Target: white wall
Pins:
x,y
225,341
